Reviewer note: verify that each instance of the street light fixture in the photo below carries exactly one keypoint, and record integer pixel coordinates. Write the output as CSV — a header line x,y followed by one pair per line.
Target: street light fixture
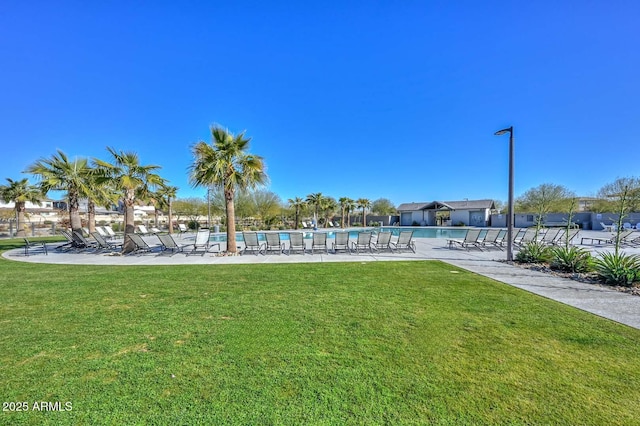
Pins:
x,y
510,216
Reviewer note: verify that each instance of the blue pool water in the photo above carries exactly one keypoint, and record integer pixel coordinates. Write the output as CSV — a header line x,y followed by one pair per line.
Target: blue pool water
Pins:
x,y
418,232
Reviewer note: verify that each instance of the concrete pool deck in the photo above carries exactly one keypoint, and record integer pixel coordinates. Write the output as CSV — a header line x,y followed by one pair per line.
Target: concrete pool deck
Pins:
x,y
620,307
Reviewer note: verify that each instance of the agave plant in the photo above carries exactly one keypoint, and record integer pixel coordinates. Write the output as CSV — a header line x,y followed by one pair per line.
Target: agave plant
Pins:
x,y
618,268
533,252
571,259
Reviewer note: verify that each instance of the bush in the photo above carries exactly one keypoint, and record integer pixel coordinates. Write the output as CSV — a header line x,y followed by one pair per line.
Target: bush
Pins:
x,y
193,225
618,268
534,252
571,259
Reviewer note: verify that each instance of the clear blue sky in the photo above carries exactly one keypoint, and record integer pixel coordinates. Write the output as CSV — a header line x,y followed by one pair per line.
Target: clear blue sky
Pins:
x,y
393,99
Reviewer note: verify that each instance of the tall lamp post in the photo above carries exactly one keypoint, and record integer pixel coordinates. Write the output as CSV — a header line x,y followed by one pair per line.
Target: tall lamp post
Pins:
x,y
510,207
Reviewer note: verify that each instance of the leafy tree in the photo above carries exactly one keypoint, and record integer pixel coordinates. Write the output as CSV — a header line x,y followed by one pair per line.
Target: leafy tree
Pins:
x,y
544,199
383,207
226,164
364,204
133,181
192,208
297,204
19,192
624,194
267,204
73,177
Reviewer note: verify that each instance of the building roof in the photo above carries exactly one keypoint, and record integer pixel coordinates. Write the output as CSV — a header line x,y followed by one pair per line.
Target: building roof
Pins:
x,y
448,205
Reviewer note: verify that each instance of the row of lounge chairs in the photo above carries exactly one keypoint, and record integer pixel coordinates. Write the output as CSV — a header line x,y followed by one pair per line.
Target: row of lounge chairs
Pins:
x,y
627,238
320,243
496,238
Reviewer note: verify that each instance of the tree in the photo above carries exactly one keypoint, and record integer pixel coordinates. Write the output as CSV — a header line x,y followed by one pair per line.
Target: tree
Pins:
x,y
383,207
364,204
544,199
267,205
624,194
192,208
315,200
346,205
164,197
226,164
59,174
297,204
328,206
19,192
132,180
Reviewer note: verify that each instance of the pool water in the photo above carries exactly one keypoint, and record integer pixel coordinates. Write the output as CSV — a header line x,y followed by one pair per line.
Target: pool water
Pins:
x,y
418,232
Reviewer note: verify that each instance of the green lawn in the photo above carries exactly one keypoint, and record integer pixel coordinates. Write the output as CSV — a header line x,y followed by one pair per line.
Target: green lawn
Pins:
x,y
332,343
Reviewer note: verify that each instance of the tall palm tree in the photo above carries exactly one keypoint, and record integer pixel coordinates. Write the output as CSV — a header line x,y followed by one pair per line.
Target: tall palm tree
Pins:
x,y
164,197
349,205
297,203
59,174
226,165
315,200
329,206
364,204
134,182
101,194
20,191
345,202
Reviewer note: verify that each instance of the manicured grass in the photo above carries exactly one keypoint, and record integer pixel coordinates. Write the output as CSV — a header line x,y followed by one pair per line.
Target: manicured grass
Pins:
x,y
331,343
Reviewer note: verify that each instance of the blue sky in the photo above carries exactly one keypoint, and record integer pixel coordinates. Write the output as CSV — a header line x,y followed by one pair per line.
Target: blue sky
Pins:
x,y
373,99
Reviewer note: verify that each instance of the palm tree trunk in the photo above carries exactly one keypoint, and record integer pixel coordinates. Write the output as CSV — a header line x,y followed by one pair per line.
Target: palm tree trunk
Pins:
x,y
129,224
364,217
170,218
20,218
231,221
74,213
91,208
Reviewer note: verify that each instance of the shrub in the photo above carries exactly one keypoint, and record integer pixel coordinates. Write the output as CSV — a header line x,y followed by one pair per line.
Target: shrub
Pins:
x,y
618,268
193,225
534,252
571,259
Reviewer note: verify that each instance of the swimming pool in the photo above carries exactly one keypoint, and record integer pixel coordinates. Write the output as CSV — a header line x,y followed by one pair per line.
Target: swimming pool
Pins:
x,y
418,232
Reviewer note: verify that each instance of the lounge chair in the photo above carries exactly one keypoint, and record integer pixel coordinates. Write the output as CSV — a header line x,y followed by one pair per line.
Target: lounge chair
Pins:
x,y
155,230
383,242
491,238
80,242
103,244
550,236
182,228
202,242
30,246
362,242
341,242
252,243
69,244
523,238
609,228
110,232
319,242
404,242
471,239
168,243
100,230
141,245
142,230
273,243
296,242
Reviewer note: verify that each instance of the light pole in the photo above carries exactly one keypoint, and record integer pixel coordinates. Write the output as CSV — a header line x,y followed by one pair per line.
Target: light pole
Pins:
x,y
510,216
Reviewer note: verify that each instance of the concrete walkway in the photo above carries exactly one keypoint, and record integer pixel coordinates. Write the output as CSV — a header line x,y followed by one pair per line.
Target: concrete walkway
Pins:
x,y
620,307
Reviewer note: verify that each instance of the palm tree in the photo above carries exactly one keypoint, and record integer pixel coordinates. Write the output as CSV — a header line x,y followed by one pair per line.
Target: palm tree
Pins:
x,y
59,174
297,203
164,196
20,191
349,205
226,164
329,206
364,204
315,200
134,182
345,202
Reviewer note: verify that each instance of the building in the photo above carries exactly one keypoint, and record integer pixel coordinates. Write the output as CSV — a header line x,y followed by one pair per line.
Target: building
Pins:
x,y
447,213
